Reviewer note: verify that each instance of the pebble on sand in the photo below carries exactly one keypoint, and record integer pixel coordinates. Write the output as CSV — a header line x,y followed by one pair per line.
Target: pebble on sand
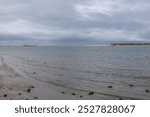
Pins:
x,y
5,95
110,86
131,85
91,93
34,73
19,93
28,90
73,94
147,91
32,87
35,97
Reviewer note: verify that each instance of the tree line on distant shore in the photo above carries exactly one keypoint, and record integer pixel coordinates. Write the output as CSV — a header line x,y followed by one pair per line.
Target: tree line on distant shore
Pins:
x,y
129,44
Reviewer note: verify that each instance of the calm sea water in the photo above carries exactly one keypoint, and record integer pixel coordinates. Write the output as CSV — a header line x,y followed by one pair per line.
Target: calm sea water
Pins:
x,y
94,68
89,58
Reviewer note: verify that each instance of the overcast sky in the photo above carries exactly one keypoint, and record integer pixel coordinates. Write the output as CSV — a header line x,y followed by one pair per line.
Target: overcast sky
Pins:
x,y
74,22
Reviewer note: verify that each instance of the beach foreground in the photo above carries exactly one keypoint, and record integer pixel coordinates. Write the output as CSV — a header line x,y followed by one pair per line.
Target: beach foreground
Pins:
x,y
15,84
24,77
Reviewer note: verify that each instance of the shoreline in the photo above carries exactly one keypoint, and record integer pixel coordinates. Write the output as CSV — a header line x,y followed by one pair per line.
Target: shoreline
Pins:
x,y
24,78
15,85
130,44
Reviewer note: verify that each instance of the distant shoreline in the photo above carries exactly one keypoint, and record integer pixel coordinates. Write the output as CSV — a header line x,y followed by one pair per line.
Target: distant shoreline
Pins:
x,y
130,44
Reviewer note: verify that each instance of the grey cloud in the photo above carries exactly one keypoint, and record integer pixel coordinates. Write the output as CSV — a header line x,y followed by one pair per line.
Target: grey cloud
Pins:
x,y
74,21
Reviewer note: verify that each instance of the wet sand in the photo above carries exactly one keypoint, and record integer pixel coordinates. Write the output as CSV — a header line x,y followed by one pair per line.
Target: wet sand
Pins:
x,y
15,85
23,78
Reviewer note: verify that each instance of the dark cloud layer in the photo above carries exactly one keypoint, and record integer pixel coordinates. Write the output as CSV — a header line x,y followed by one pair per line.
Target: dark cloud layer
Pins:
x,y
73,22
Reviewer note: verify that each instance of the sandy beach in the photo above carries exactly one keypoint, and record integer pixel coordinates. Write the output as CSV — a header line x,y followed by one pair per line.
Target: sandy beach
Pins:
x,y
15,84
28,78
25,85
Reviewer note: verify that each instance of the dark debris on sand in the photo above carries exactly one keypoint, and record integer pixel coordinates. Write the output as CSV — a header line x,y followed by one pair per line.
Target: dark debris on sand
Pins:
x,y
34,73
5,95
32,87
147,91
28,90
35,97
110,86
91,93
120,99
81,96
131,85
73,94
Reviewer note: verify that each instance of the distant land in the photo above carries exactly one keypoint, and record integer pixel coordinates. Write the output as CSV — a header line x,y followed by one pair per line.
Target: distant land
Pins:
x,y
29,45
130,44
